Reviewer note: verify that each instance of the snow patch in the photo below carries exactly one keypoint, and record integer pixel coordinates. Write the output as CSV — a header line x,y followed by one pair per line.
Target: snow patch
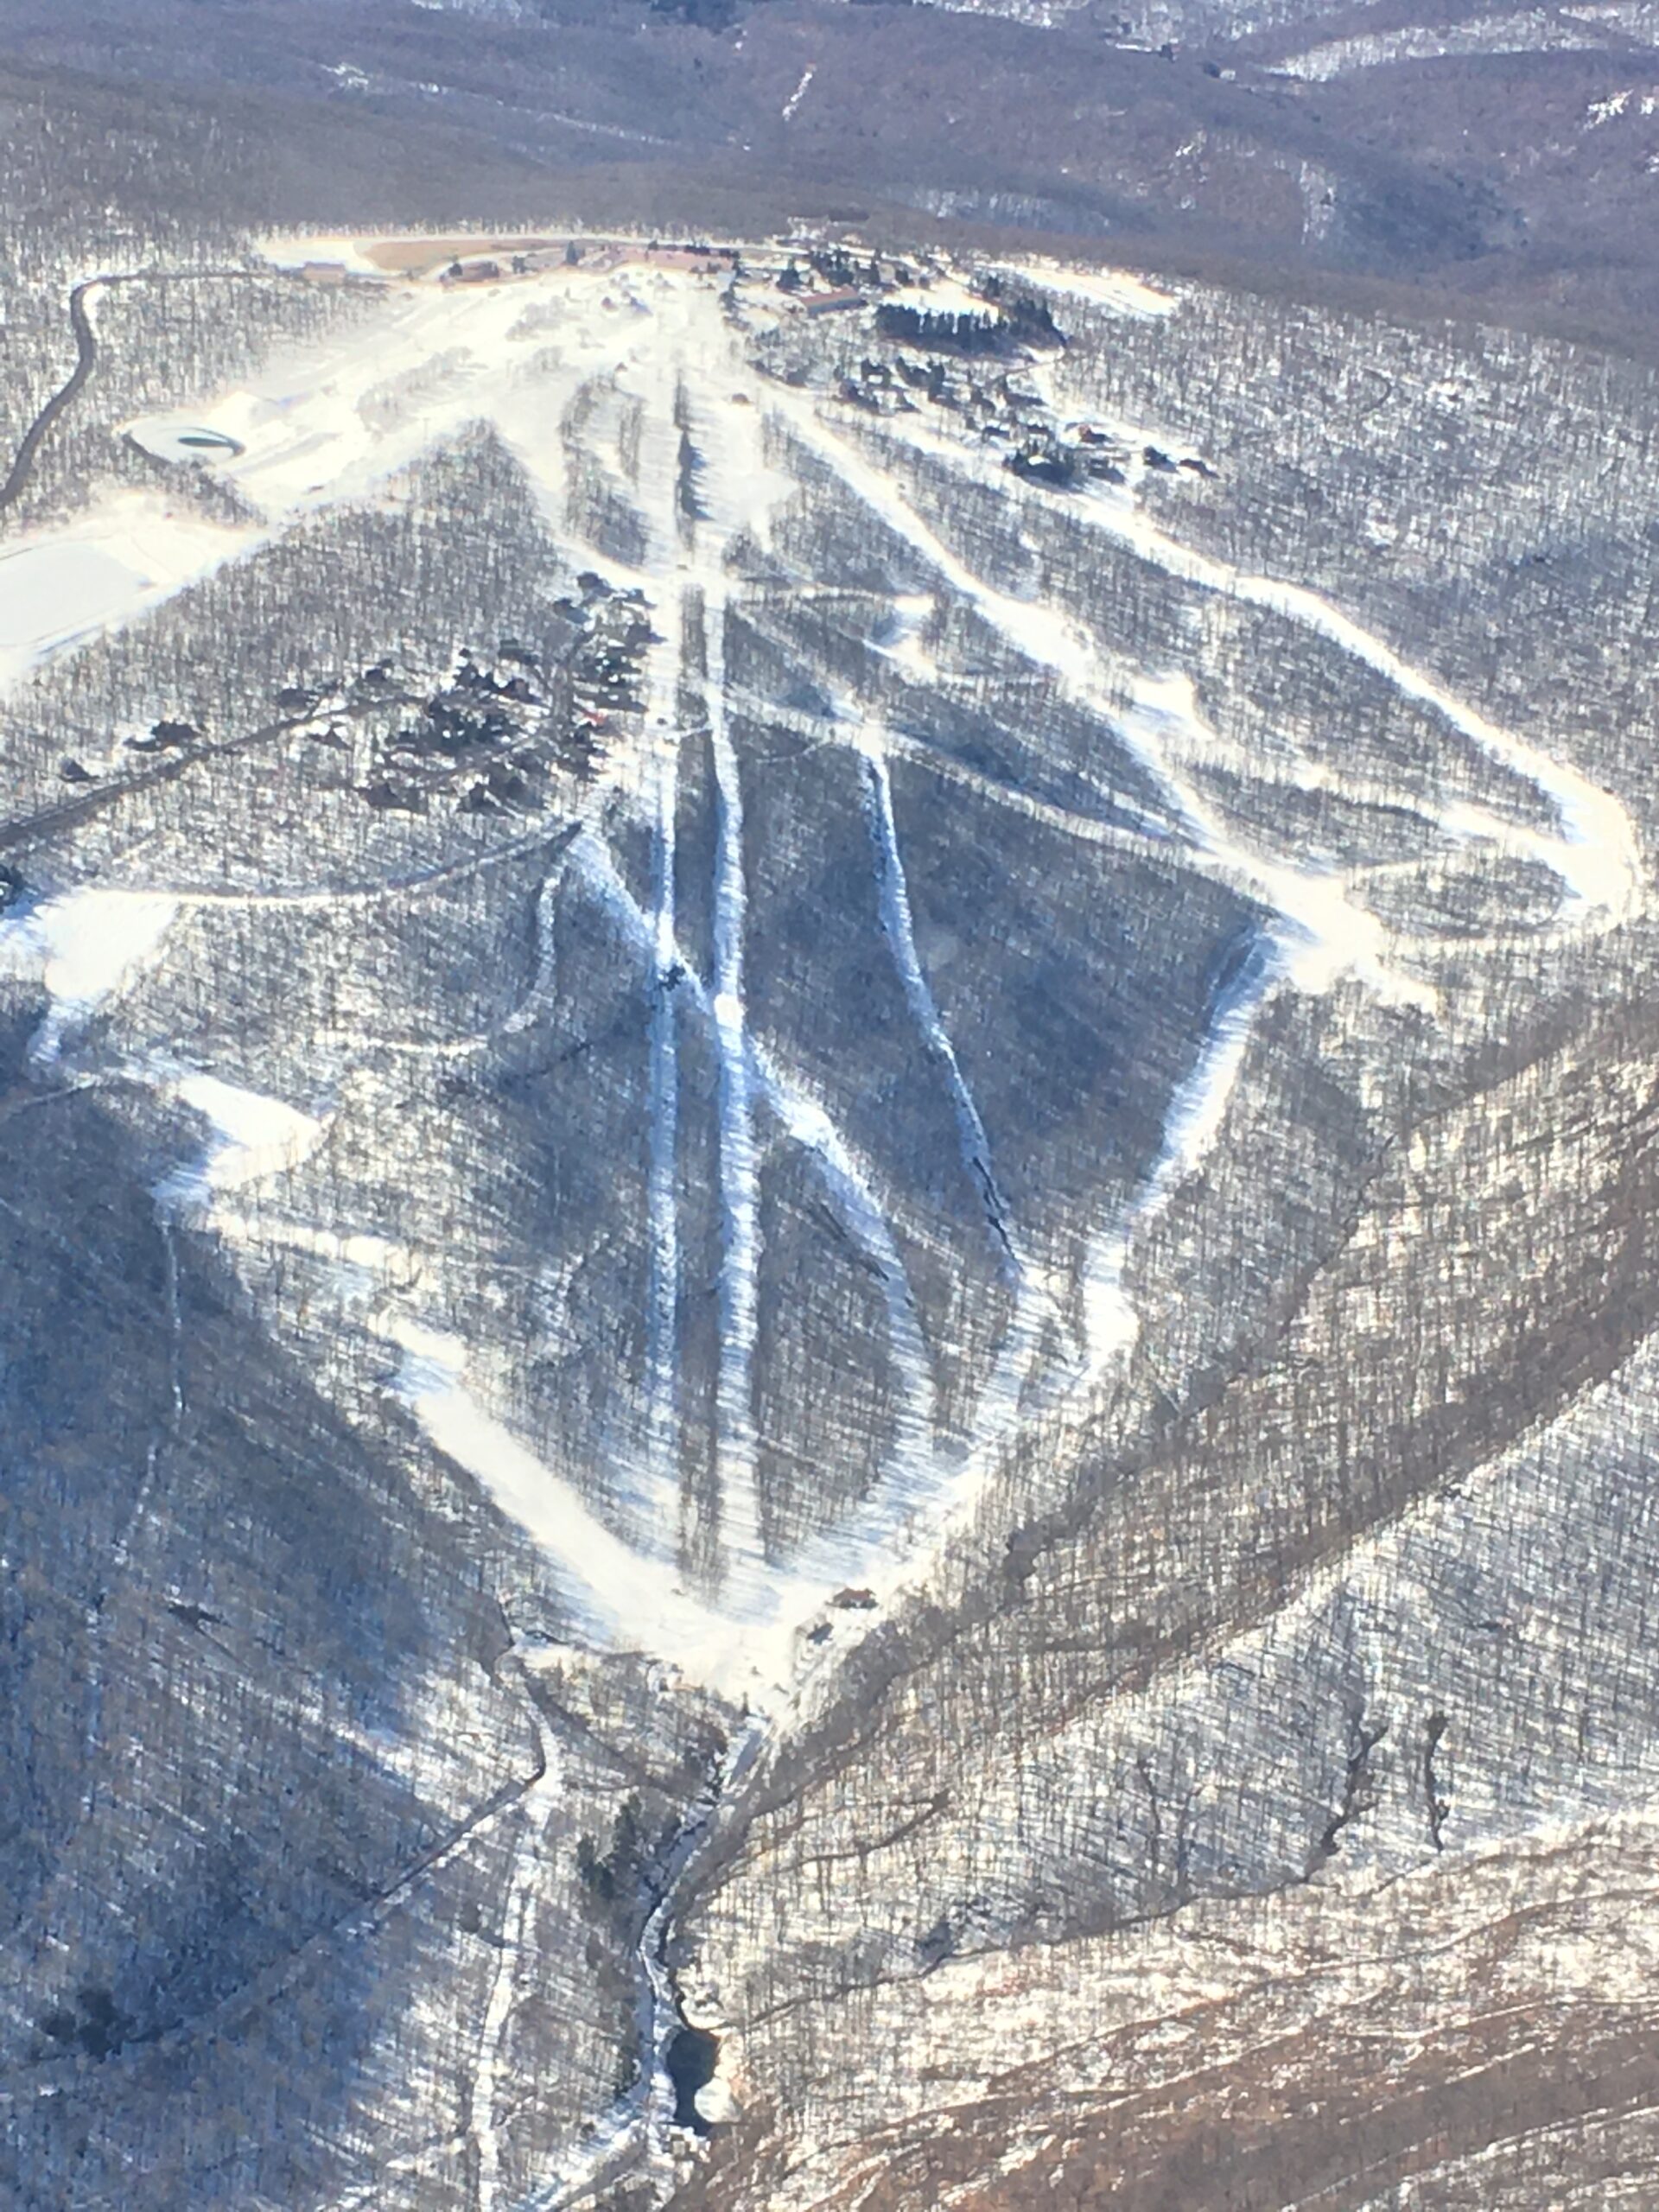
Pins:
x,y
254,1137
1600,111
798,94
84,946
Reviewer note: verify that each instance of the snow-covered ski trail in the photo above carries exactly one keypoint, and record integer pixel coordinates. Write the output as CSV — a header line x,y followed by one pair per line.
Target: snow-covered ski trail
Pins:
x,y
848,1184
656,482
1596,853
1016,1357
1111,1326
740,1506
893,894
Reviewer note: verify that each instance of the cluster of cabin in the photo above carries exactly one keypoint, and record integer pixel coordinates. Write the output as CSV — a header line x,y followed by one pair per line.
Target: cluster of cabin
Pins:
x,y
489,740
534,258
964,356
1000,410
502,728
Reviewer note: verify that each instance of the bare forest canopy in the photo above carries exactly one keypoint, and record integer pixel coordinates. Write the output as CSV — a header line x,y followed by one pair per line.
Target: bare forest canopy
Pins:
x,y
1474,166
828,1107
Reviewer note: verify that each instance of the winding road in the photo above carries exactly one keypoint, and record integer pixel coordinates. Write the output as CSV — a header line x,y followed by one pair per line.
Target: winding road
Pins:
x,y
86,338
64,397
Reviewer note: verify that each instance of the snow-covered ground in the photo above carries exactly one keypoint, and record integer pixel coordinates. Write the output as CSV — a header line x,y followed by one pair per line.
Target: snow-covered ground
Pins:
x,y
81,948
1115,289
624,1600
337,422
131,551
1529,30
253,1136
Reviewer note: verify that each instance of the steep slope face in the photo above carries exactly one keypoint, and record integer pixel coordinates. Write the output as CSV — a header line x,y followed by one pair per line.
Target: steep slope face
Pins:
x,y
832,1107
1485,2040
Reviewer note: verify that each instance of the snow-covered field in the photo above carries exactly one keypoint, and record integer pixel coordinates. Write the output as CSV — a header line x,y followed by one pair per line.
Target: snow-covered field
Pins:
x,y
131,551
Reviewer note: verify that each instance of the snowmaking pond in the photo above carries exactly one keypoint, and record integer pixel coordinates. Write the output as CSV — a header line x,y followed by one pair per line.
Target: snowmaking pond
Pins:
x,y
171,437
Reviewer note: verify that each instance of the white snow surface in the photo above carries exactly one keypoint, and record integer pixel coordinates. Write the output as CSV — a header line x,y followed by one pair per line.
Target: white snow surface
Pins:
x,y
340,421
1525,30
1596,854
624,1600
292,250
1115,289
83,946
1111,1324
130,551
798,94
253,1136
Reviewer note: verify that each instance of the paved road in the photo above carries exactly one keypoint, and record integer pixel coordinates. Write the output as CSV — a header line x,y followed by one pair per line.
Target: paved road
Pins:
x,y
81,324
63,398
